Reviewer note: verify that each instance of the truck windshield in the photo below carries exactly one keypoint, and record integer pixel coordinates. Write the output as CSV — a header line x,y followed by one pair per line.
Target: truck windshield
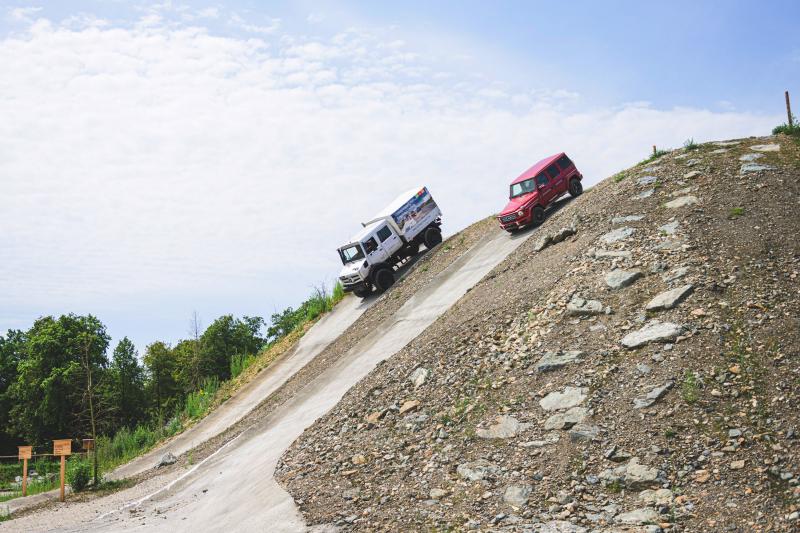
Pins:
x,y
351,253
523,187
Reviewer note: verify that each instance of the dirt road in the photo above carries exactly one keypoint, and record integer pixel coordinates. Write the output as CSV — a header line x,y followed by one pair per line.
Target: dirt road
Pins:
x,y
235,487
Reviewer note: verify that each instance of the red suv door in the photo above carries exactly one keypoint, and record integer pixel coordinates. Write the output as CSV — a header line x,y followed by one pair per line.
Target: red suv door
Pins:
x,y
545,188
558,179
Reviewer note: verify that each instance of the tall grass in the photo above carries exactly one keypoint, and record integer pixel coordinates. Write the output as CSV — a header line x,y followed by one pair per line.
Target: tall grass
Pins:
x,y
198,402
240,363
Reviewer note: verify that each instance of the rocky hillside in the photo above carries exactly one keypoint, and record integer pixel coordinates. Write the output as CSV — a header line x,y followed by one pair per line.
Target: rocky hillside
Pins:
x,y
634,366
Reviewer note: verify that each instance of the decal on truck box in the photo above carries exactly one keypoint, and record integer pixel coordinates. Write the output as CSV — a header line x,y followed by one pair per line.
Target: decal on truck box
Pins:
x,y
414,210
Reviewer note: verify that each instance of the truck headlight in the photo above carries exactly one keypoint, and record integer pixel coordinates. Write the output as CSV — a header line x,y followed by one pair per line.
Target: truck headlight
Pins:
x,y
520,212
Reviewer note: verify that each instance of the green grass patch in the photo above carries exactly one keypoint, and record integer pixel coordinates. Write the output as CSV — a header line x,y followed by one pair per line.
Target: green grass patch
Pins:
x,y
689,144
654,156
619,176
736,212
786,129
690,389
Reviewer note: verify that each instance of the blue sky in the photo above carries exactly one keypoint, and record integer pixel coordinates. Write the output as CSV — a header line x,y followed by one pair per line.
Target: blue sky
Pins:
x,y
155,159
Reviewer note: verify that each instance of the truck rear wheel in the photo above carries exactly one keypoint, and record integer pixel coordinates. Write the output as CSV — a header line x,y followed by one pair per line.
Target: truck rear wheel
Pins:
x,y
537,215
575,187
432,237
384,278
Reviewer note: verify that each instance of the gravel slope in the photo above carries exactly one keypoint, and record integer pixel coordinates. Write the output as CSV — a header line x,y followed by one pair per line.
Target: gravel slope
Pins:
x,y
546,400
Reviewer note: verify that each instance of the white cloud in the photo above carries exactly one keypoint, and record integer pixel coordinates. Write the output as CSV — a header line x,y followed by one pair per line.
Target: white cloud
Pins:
x,y
22,14
151,164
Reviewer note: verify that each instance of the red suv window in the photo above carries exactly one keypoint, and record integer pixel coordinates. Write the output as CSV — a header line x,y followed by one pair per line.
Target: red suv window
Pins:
x,y
564,162
552,171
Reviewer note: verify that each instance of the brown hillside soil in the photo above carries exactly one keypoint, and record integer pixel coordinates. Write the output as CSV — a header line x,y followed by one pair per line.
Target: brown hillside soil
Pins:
x,y
695,431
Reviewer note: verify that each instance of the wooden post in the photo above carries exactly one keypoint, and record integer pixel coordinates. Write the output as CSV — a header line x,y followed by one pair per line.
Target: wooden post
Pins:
x,y
788,109
62,447
25,453
63,468
654,149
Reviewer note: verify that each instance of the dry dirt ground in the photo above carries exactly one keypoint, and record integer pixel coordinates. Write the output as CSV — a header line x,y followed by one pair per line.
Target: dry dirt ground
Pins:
x,y
557,396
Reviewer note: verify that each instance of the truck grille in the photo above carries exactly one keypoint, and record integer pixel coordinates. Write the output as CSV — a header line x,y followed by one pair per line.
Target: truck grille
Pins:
x,y
350,280
508,218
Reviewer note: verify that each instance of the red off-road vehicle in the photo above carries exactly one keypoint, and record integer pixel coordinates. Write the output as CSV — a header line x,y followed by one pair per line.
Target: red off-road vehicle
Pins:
x,y
537,188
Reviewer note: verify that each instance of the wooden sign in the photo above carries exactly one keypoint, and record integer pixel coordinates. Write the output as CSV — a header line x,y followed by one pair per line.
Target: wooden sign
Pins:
x,y
62,447
88,444
25,452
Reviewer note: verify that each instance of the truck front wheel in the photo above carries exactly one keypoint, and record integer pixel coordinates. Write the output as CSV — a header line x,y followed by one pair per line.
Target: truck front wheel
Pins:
x,y
384,278
433,237
362,292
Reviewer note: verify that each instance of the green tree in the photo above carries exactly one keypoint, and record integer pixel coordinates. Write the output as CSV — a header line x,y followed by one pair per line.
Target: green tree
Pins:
x,y
162,366
11,349
126,388
49,391
225,337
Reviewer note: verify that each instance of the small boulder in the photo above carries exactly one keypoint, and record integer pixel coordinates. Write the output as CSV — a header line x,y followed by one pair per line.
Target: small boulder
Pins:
x,y
567,419
517,495
655,394
617,235
477,470
554,360
638,517
419,376
681,201
505,427
626,219
578,306
766,147
407,407
166,460
619,279
569,397
669,299
653,331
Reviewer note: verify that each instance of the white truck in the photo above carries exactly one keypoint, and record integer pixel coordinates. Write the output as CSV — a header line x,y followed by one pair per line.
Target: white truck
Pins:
x,y
393,235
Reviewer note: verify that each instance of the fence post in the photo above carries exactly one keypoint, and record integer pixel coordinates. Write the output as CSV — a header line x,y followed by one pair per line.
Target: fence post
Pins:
x,y
654,149
788,109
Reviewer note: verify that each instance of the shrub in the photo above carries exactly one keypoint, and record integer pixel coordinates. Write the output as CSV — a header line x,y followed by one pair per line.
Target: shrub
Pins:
x,y
240,363
689,144
785,128
198,402
79,473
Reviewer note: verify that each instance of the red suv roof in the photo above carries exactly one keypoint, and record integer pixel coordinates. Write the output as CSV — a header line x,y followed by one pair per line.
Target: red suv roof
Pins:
x,y
538,167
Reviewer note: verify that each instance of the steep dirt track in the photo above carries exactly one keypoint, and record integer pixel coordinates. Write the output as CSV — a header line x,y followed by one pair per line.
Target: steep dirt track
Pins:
x,y
312,343
236,485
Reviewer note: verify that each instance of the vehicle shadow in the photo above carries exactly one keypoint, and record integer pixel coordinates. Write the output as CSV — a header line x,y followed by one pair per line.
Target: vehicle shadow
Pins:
x,y
553,208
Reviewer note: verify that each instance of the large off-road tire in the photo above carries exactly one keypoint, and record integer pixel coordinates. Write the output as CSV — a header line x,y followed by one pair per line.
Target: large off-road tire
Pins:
x,y
362,293
383,279
537,216
412,249
432,238
513,231
575,187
